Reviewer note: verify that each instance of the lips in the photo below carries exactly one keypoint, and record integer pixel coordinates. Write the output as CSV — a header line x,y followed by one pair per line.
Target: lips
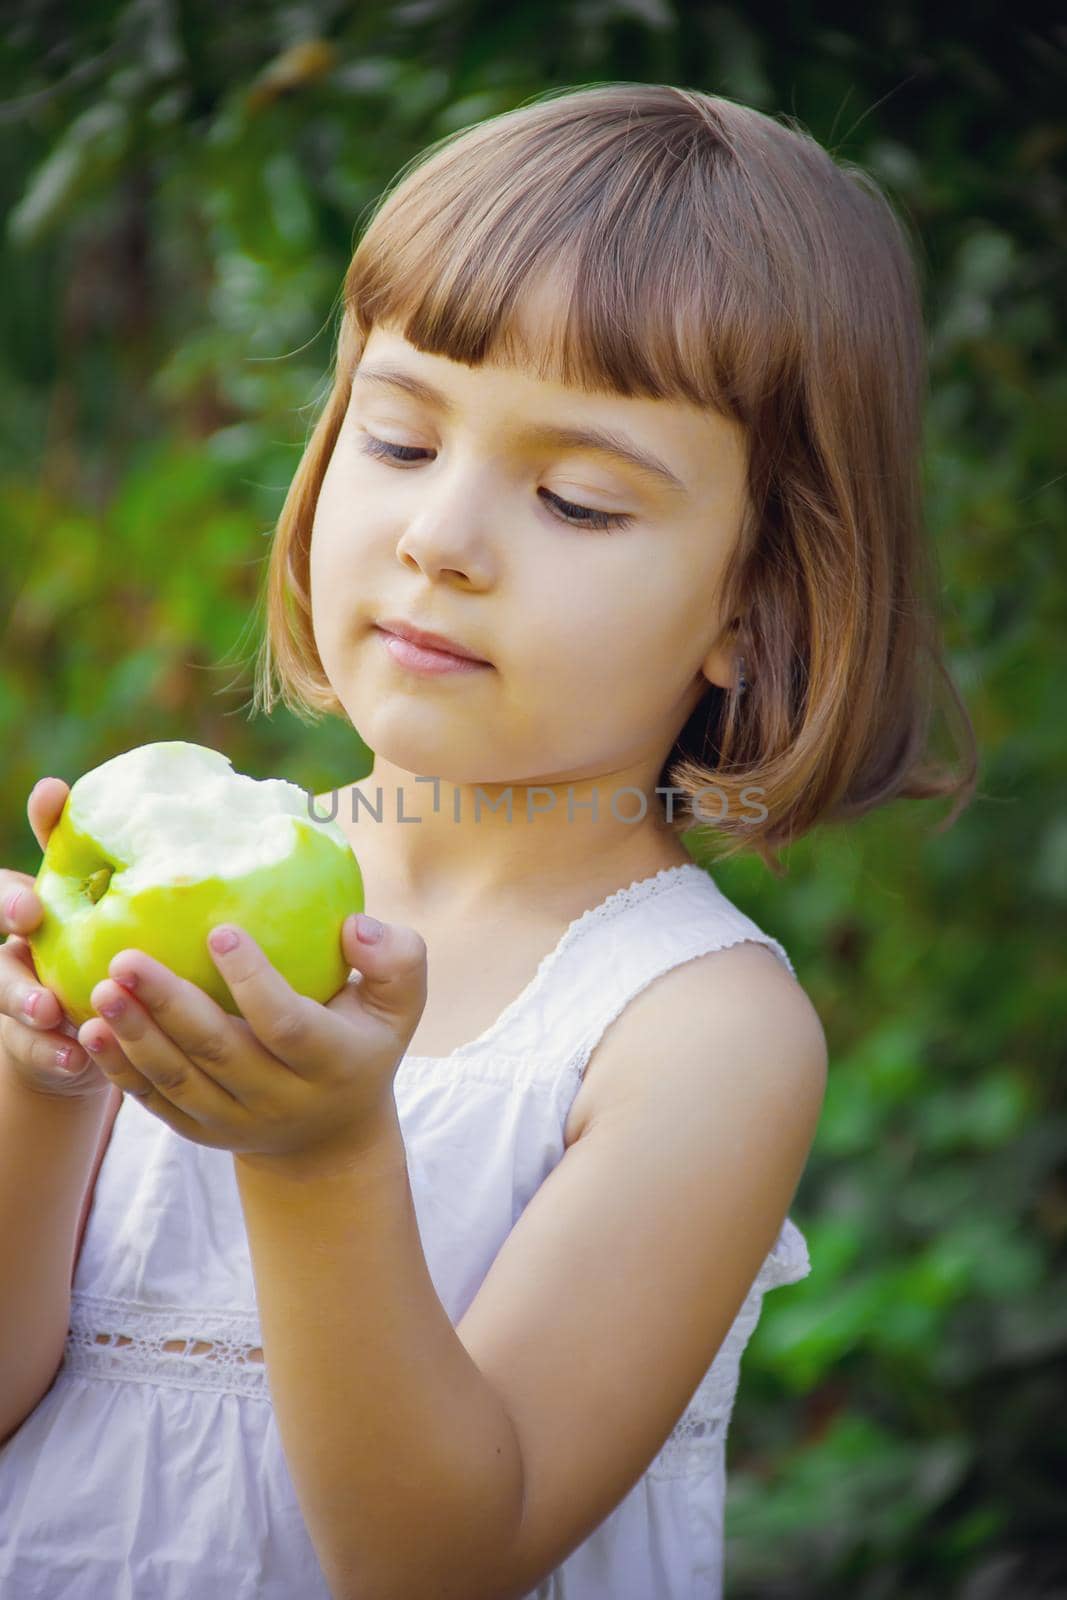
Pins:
x,y
429,641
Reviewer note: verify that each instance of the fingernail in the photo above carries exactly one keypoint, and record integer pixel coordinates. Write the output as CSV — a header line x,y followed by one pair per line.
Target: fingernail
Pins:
x,y
63,1055
31,1002
222,939
15,904
368,929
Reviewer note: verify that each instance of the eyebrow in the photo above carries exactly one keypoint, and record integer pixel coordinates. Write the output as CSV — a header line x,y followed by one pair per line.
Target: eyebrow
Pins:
x,y
602,441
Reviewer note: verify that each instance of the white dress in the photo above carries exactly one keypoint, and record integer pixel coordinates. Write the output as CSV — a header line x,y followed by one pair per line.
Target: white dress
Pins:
x,y
147,1474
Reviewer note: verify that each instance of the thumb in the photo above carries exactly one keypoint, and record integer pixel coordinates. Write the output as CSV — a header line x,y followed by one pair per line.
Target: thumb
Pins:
x,y
391,965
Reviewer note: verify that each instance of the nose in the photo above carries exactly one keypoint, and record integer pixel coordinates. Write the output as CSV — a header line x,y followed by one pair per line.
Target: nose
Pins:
x,y
444,537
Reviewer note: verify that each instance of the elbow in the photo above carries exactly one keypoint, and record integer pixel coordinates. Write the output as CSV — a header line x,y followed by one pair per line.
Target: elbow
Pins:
x,y
458,1537
444,1582
450,1558
451,1576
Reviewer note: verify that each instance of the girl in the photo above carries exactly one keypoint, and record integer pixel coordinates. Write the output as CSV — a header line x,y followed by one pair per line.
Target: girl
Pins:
x,y
609,533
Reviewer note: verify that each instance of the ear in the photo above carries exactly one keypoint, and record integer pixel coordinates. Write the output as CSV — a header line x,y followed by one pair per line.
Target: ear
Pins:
x,y
720,664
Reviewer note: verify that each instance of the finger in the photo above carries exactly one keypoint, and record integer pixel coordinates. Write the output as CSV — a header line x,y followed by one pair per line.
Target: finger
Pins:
x,y
21,996
39,1053
105,1048
292,1027
112,1061
20,906
143,1061
222,1048
45,806
392,968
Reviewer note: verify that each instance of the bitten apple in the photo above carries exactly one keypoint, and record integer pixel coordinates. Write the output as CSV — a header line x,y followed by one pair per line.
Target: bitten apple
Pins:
x,y
159,844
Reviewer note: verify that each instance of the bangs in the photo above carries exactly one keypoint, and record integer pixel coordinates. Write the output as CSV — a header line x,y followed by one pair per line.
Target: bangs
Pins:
x,y
659,243
634,242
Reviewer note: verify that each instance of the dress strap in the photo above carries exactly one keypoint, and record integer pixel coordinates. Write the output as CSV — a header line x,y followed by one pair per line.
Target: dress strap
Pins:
x,y
612,952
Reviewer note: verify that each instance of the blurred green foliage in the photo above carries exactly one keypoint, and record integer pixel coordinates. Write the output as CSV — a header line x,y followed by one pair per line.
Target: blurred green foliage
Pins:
x,y
182,187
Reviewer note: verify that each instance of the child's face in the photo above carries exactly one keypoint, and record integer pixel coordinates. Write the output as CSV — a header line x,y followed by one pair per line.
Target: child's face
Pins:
x,y
601,643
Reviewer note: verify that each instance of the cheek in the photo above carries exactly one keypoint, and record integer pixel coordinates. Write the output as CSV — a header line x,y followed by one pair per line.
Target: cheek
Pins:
x,y
353,526
322,584
610,614
336,582
625,653
587,647
339,546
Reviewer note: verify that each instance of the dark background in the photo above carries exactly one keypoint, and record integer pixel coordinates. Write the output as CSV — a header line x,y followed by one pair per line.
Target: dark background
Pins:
x,y
182,185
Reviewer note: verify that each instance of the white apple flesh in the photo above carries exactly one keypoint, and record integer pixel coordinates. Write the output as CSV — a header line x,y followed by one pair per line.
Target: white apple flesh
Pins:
x,y
159,844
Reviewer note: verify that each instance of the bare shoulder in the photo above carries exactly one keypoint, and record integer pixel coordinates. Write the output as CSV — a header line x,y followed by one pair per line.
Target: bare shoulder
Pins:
x,y
646,1236
739,1004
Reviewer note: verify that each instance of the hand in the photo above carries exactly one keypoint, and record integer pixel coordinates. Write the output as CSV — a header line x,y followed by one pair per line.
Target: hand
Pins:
x,y
290,1083
30,1043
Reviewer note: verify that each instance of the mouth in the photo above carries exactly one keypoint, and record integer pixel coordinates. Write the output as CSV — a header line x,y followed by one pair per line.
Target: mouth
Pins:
x,y
428,660
438,643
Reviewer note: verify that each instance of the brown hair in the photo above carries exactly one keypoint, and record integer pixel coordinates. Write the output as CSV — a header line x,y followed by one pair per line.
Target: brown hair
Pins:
x,y
711,253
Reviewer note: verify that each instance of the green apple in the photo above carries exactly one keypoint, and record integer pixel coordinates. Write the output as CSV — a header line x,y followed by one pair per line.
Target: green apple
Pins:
x,y
157,845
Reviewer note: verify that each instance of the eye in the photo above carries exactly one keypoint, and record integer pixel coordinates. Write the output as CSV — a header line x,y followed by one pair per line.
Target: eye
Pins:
x,y
575,516
585,516
379,447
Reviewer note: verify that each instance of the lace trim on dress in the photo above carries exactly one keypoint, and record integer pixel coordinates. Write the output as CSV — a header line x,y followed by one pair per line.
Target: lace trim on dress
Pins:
x,y
788,1262
178,1347
640,890
220,1351
637,893
579,1057
699,1435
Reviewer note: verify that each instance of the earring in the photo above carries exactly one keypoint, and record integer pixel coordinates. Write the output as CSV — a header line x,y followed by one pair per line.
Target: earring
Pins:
x,y
742,684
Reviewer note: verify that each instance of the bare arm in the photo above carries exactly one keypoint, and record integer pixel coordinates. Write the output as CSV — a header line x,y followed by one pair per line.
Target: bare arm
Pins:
x,y
403,1457
50,1147
469,1461
54,1124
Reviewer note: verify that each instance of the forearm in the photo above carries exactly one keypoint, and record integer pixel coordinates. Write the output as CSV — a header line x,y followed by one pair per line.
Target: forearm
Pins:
x,y
404,1460
47,1148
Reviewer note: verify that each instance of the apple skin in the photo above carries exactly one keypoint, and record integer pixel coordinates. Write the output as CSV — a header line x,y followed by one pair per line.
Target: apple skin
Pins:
x,y
294,909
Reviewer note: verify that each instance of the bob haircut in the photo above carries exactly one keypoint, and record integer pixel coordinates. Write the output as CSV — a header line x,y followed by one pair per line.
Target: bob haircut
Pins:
x,y
710,253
